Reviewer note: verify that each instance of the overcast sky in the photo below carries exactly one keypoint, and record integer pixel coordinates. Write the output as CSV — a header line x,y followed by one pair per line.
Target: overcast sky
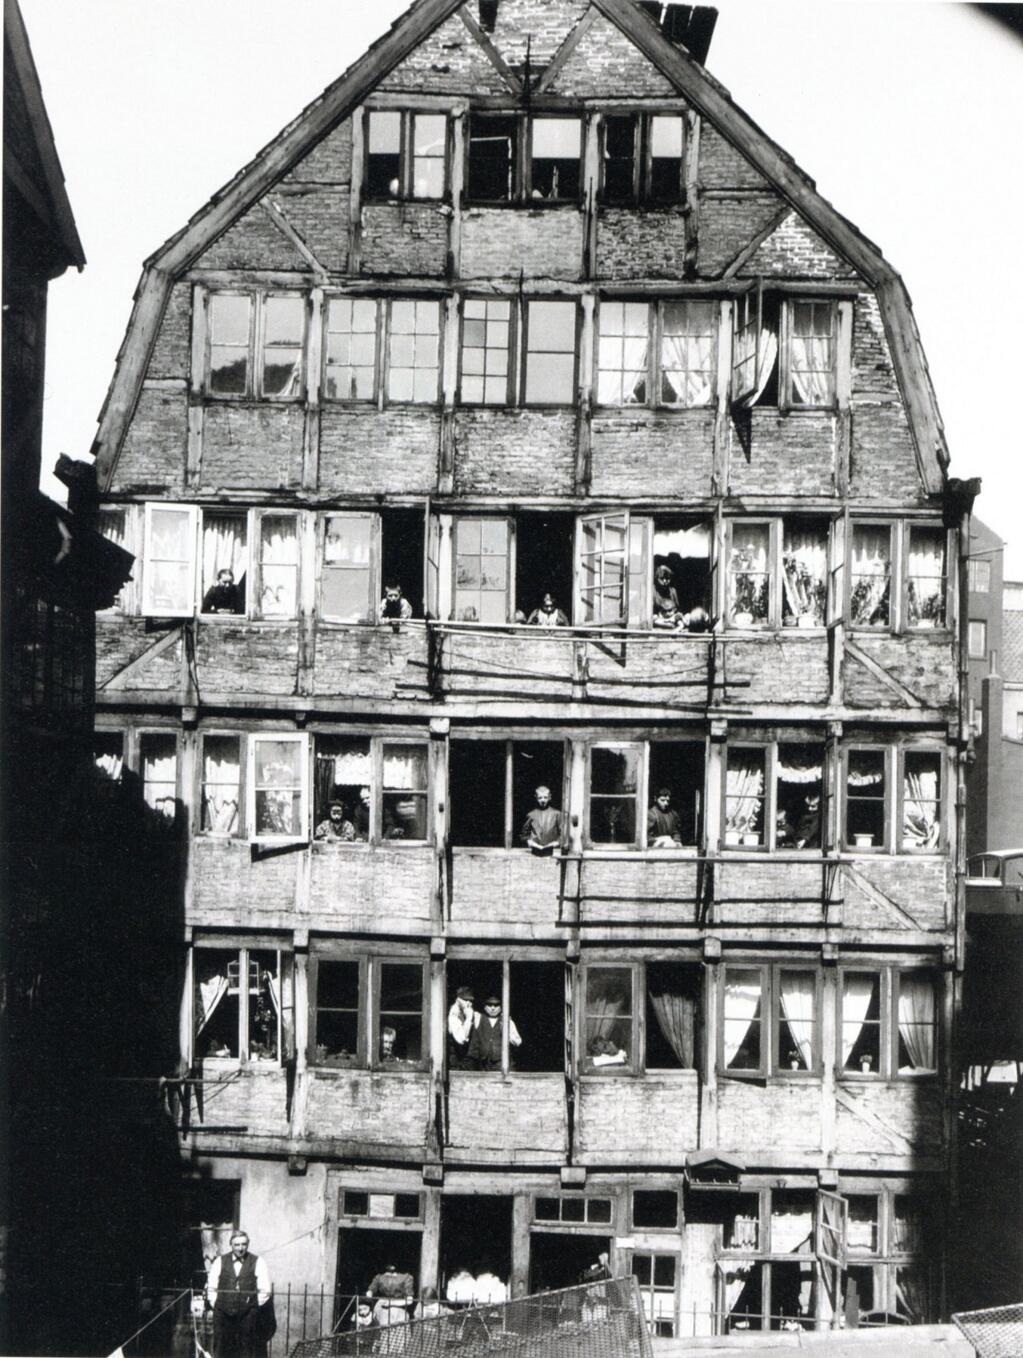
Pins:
x,y
908,115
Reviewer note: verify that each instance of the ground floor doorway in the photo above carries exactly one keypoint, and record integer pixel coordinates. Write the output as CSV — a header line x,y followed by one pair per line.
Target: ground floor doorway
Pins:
x,y
475,1246
363,1252
558,1259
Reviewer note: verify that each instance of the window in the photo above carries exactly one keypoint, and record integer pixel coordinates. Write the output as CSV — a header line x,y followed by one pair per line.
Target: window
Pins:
x,y
256,345
655,1274
572,1210
656,353
486,351
493,157
642,158
278,565
777,573
555,157
108,754
926,581
639,1017
603,567
550,353
921,800
492,793
769,1021
278,787
785,351
382,1206
169,578
773,795
889,1023
413,355
483,570
524,1033
810,351
862,1230
381,785
158,764
368,1012
224,562
406,155
237,1003
112,524
654,1209
625,778
350,349
221,785
978,575
348,590
870,575
866,781
977,641
609,1019
674,994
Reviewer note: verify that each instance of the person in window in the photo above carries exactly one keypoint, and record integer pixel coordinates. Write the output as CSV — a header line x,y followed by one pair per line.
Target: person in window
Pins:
x,y
541,830
663,827
360,816
463,1018
485,1043
429,1307
548,614
808,827
603,1052
667,612
394,1293
394,607
364,1313
784,835
224,596
697,620
388,1037
335,827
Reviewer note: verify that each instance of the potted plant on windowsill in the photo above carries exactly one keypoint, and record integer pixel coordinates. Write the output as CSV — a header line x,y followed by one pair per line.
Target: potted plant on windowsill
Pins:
x,y
749,590
867,1063
863,841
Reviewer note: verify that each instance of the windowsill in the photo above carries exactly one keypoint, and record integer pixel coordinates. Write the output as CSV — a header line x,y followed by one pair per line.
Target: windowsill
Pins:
x,y
681,1076
392,1068
641,200
504,1077
876,1077
637,851
496,851
645,407
400,200
232,1063
523,204
218,398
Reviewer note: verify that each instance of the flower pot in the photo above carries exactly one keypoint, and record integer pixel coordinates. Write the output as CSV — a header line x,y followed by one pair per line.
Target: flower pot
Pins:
x,y
863,841
750,838
742,619
732,837
866,1064
807,620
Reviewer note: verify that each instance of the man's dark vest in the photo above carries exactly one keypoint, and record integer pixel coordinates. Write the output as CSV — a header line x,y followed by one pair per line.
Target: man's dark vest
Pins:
x,y
487,1042
235,1296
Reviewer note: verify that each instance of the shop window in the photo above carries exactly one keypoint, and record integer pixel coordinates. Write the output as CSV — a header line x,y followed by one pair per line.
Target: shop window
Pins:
x,y
866,782
158,763
278,565
870,575
573,1209
609,1020
278,787
654,1209
413,353
793,1294
741,1294
493,787
221,785
660,353
493,157
555,158
368,1012
926,580
483,570
642,158
237,1003
350,348
406,155
769,1021
921,800
550,354
256,345
655,1274
486,372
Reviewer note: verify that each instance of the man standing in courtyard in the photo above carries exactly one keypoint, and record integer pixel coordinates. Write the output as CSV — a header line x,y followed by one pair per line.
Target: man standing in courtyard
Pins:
x,y
237,1286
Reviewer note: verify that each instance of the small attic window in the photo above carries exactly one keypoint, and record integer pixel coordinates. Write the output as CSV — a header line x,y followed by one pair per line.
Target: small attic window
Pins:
x,y
406,155
493,157
556,151
642,158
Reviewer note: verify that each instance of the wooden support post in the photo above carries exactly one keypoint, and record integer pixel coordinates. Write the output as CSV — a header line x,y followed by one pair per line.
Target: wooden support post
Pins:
x,y
709,1089
719,465
829,1040
584,414
591,187
458,139
196,383
520,1244
446,444
301,984
843,393
311,427
439,729
355,197
692,184
429,1261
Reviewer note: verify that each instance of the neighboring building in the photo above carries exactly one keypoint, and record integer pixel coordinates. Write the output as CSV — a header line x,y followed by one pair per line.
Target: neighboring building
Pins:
x,y
56,572
525,304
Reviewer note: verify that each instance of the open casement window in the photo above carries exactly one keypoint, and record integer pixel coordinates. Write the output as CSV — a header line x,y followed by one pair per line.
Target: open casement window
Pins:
x,y
549,362
277,562
406,155
555,159
484,570
168,576
221,779
413,351
351,348
349,587
278,788
657,1276
242,1003
610,1019
602,572
158,769
926,605
831,1229
115,524
770,1021
754,347
866,802
523,1033
921,803
642,158
488,350
870,575
256,345
492,793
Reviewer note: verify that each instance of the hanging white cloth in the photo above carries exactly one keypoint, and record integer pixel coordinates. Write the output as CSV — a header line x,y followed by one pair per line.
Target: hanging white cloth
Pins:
x,y
798,995
744,787
857,992
804,569
742,1003
223,548
920,809
211,992
916,1021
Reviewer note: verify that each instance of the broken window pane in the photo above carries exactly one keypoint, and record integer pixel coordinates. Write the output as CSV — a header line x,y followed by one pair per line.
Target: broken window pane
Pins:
x,y
554,170
278,786
230,324
221,784
492,157
619,169
413,369
283,334
609,1019
654,1209
486,326
865,800
749,575
278,565
614,790
482,549
812,353
550,353
429,144
346,583
688,331
158,757
351,349
926,583
383,155
921,799
742,1019
404,792
622,350
400,1012
870,576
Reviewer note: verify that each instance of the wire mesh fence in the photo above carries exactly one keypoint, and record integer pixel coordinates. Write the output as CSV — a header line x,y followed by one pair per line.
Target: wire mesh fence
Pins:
x,y
594,1320
994,1333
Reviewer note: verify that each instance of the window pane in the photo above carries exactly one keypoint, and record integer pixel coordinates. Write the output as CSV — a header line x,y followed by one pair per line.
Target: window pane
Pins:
x,y
654,1209
921,799
278,556
797,1020
861,1235
861,1022
925,587
216,1006
870,577
804,562
812,353
264,1006
401,1012
619,158
742,1019
351,349
159,762
414,367
485,349
622,353
230,322
429,139
977,644
404,792
229,318
798,789
383,155
744,795
979,580
346,580
614,788
556,152
609,1018
224,563
481,570
344,773
550,357
688,352
749,577
492,158
917,1020
666,158
221,784
865,800
278,786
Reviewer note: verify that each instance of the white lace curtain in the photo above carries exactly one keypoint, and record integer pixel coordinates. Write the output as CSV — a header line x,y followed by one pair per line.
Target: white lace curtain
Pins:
x,y
804,572
221,775
926,577
744,787
797,765
857,994
223,548
916,1021
687,352
811,369
920,808
798,994
279,567
871,568
742,1004
405,770
211,992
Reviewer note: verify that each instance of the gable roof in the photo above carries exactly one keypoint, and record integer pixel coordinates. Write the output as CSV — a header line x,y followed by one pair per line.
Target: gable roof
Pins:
x,y
704,93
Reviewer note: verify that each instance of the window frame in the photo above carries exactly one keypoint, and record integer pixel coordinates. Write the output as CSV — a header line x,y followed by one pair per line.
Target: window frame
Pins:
x,y
192,514
644,799
510,565
901,845
635,1068
651,1291
890,978
124,603
255,364
654,371
370,1025
256,563
978,569
141,735
407,156
772,764
770,1067
889,769
373,569
511,828
973,652
779,526
385,398
909,528
376,740
378,340
300,739
642,159
515,329
242,952
538,1222
786,367
528,188
540,354
516,170
197,521
239,831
